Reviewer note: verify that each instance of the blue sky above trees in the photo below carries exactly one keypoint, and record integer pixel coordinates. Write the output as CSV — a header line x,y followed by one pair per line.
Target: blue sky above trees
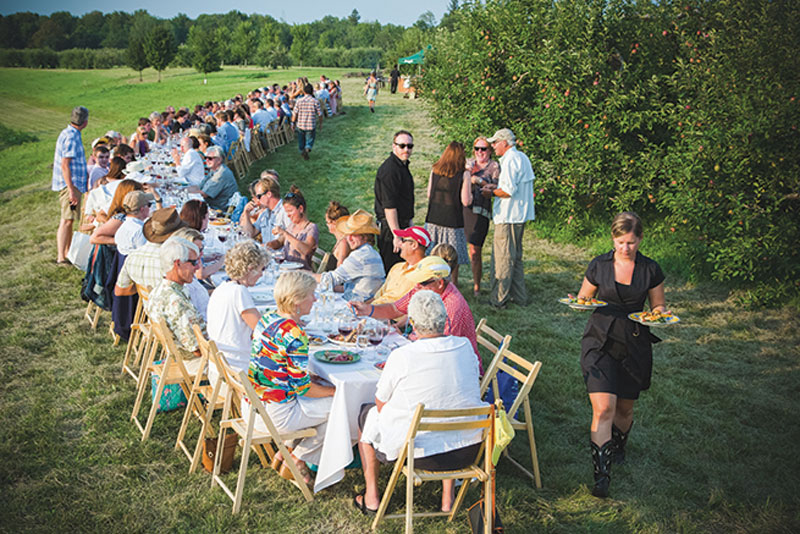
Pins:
x,y
403,13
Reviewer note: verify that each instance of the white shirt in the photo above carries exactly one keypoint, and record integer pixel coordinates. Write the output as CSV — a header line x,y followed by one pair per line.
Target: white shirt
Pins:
x,y
199,297
100,197
516,179
191,167
226,326
441,373
129,236
269,219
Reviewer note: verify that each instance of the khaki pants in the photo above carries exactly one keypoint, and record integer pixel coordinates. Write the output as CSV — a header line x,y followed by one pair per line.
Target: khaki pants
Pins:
x,y
508,273
69,212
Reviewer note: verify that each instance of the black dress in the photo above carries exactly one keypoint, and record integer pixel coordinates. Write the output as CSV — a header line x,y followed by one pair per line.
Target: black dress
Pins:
x,y
617,353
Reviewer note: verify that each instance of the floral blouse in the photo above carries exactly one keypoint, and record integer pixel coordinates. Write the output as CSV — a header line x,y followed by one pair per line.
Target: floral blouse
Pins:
x,y
279,359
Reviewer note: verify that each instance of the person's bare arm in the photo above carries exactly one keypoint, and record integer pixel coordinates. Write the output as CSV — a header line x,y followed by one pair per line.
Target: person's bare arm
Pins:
x,y
104,234
251,317
381,311
466,189
657,298
394,223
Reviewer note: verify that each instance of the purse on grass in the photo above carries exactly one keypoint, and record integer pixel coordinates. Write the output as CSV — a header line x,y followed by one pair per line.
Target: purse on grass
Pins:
x,y
210,450
172,396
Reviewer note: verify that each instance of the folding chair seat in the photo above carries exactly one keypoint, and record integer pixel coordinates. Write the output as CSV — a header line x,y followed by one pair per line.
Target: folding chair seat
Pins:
x,y
173,369
480,469
239,386
141,335
525,373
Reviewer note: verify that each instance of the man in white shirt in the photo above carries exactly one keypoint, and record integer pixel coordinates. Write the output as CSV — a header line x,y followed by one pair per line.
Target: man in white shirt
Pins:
x,y
513,206
129,236
190,165
267,198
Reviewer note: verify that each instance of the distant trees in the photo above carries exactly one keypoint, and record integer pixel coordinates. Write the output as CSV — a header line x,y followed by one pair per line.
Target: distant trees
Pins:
x,y
159,48
136,57
203,50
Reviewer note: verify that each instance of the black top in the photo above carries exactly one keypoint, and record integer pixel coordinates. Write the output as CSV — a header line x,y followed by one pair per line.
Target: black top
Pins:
x,y
611,322
394,189
444,206
395,74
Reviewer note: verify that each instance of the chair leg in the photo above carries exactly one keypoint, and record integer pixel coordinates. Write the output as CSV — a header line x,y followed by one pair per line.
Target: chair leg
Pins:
x,y
532,442
205,427
156,399
387,493
190,409
462,493
410,495
133,341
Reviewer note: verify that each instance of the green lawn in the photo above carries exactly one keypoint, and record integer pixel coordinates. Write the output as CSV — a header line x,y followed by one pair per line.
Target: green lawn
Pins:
x,y
714,449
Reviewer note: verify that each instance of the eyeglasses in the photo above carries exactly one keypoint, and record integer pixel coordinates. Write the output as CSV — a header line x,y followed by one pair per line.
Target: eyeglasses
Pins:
x,y
193,262
211,158
401,146
481,148
259,195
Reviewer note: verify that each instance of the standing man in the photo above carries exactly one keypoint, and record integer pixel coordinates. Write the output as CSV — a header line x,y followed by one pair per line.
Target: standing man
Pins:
x,y
69,178
306,111
394,198
394,77
513,206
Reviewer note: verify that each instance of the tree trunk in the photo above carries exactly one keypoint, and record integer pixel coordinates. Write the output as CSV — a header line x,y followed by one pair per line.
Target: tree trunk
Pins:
x,y
140,76
159,76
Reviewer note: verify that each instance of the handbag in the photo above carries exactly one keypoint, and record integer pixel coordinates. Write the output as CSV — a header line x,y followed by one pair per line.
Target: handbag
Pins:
x,y
503,431
79,250
210,450
172,396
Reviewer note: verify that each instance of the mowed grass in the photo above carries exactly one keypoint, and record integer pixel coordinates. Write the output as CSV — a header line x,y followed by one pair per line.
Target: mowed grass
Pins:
x,y
714,447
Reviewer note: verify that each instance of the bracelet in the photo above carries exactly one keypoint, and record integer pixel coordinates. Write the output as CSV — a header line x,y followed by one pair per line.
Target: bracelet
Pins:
x,y
372,310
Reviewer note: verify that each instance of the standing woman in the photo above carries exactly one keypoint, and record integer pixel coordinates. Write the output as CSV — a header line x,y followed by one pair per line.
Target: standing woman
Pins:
x,y
371,90
617,353
448,191
483,171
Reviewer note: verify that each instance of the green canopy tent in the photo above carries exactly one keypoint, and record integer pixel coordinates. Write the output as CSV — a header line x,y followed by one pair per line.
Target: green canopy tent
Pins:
x,y
414,59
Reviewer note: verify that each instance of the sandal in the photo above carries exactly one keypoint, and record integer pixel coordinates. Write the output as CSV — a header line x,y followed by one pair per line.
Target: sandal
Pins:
x,y
361,506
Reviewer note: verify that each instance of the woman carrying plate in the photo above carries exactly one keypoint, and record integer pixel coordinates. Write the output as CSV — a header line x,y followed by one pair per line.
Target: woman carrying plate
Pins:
x,y
617,353
278,369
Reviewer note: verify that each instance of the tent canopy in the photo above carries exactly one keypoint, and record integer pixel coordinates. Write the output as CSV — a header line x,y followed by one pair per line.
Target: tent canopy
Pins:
x,y
414,59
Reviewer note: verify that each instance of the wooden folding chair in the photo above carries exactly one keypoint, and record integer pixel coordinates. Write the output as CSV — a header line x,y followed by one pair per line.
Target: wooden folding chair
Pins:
x,y
525,373
319,260
239,386
479,469
256,143
490,339
172,370
141,335
287,132
92,314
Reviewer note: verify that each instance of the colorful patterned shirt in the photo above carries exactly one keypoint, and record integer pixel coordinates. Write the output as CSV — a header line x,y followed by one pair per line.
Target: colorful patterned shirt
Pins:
x,y
306,110
70,145
459,317
277,374
169,302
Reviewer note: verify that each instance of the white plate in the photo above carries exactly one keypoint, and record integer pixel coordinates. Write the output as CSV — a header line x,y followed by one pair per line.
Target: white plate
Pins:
x,y
635,317
291,265
576,306
335,341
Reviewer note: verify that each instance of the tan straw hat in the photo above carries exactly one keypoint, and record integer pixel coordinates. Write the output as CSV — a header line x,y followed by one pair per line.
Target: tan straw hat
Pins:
x,y
359,222
161,224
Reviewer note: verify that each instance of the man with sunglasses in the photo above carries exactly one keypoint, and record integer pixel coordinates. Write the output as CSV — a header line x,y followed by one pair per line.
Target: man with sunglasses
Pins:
x,y
267,198
431,273
513,207
415,241
394,198
220,185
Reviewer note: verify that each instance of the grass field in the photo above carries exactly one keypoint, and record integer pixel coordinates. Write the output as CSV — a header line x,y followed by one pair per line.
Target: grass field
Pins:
x,y
714,449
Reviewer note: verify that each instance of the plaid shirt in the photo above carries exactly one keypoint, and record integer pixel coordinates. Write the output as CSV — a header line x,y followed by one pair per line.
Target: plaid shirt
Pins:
x,y
306,110
459,317
70,145
142,267
361,273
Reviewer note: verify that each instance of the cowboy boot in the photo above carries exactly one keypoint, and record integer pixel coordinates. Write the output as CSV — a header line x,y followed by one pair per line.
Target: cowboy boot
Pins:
x,y
619,439
601,458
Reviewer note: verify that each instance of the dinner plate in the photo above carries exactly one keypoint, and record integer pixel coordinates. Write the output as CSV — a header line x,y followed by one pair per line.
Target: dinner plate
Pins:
x,y
348,344
331,356
314,339
219,222
291,265
576,306
665,321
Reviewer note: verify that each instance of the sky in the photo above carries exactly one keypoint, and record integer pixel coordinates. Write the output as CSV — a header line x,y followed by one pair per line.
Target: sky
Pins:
x,y
403,13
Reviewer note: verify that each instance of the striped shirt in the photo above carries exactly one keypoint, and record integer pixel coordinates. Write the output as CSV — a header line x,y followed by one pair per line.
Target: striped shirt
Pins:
x,y
306,110
70,145
361,273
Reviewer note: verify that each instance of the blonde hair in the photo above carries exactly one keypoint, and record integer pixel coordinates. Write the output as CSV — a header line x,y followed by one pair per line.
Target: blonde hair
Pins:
x,y
448,253
244,257
292,288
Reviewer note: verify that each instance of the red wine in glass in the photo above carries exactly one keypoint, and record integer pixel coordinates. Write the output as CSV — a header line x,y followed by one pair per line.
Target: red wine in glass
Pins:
x,y
222,238
345,330
375,339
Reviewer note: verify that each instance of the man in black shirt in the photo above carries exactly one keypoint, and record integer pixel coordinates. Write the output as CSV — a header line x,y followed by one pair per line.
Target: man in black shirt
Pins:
x,y
394,197
394,77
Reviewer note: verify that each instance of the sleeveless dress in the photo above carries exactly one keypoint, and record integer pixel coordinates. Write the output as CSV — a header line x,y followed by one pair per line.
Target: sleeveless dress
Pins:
x,y
372,91
445,218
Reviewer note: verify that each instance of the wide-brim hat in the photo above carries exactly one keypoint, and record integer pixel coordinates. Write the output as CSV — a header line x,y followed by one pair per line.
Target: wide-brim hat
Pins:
x,y
429,268
134,167
417,233
359,222
161,224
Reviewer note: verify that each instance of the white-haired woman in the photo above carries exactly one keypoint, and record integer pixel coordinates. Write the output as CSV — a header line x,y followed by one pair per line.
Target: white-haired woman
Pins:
x,y
232,314
437,370
278,368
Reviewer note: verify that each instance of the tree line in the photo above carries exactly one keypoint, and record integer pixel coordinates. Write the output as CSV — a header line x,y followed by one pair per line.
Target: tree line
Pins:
x,y
95,40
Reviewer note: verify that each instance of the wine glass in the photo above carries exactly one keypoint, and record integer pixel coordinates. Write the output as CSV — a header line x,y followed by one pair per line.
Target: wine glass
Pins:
x,y
362,342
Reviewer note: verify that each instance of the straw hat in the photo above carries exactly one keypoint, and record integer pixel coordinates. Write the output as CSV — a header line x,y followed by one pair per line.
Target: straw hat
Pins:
x,y
134,167
359,222
432,267
161,224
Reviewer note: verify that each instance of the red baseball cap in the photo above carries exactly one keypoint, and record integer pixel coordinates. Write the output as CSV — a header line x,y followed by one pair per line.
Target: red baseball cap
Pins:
x,y
417,233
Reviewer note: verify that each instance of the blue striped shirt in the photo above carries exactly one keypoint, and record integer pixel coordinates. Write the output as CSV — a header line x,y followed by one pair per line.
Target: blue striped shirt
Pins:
x,y
361,273
70,145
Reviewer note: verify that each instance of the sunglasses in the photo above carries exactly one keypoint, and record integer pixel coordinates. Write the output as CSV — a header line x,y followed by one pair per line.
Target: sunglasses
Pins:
x,y
259,195
211,158
481,148
288,196
193,262
426,283
401,146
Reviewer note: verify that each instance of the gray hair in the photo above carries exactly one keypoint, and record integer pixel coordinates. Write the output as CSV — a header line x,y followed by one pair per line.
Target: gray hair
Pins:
x,y
175,248
155,116
188,233
244,257
427,312
79,115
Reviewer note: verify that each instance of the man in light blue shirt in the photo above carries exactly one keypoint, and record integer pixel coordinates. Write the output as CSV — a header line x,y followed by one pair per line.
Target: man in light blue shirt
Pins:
x,y
259,115
70,178
513,206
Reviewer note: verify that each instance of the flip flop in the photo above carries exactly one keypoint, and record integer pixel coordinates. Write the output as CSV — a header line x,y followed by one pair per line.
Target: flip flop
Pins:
x,y
361,506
